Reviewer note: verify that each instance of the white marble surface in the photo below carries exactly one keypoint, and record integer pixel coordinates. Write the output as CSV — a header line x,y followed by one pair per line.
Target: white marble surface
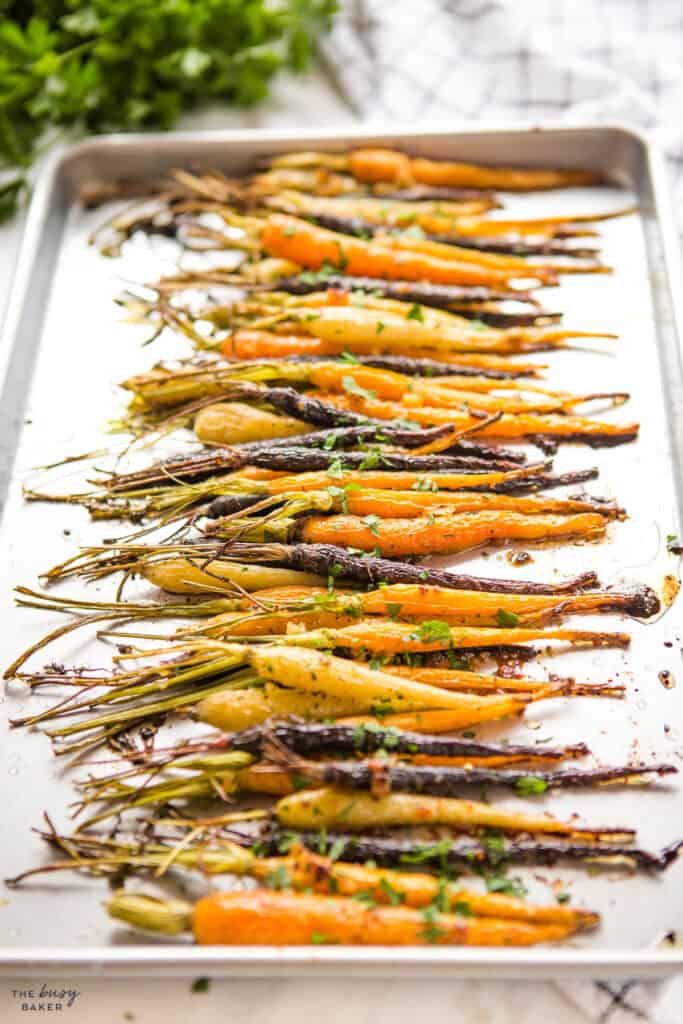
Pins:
x,y
285,1002
314,102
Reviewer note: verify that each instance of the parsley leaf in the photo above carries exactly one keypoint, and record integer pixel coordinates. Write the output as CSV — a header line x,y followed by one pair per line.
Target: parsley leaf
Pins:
x,y
351,387
432,631
506,619
131,65
530,785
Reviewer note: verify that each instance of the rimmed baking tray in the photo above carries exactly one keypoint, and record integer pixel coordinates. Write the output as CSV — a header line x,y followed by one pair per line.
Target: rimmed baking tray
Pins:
x,y
63,349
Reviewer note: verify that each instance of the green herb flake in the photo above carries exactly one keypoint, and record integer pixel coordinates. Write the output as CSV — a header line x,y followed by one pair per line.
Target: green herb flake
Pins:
x,y
506,619
278,879
366,897
530,785
353,388
395,897
432,631
372,523
319,939
424,852
341,494
415,313
506,886
380,327
342,260
335,469
200,985
337,848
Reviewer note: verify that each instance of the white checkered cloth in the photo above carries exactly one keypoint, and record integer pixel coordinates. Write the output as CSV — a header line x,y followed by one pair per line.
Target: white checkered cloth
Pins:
x,y
535,60
515,60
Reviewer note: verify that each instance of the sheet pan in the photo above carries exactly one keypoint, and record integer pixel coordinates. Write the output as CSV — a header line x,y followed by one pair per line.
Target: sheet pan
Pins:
x,y
64,348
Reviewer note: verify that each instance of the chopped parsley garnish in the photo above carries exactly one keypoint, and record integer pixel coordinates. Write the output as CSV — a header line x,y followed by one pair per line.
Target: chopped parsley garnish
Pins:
x,y
353,388
506,886
433,630
506,619
530,785
427,852
395,897
372,522
278,879
335,469
415,313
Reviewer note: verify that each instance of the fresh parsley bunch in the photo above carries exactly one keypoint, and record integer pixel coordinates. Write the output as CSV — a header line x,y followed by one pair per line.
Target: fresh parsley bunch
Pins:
x,y
110,65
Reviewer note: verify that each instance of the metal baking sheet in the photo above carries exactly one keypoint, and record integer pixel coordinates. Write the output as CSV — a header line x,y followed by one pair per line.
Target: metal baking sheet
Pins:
x,y
64,349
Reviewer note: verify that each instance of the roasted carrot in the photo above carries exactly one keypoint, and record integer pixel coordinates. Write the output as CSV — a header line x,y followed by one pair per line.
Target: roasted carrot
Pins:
x,y
325,808
391,637
265,917
445,533
245,708
319,673
477,682
309,246
308,870
314,740
436,722
375,165
448,392
362,327
542,268
431,215
596,433
276,612
411,600
242,709
284,483
399,504
246,344
255,344
238,423
565,225
182,576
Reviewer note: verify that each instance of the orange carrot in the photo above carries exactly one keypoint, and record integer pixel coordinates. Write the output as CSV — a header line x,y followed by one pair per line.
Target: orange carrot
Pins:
x,y
478,682
424,600
267,918
441,721
375,165
308,870
441,392
311,247
401,480
399,504
253,344
445,534
391,637
508,426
